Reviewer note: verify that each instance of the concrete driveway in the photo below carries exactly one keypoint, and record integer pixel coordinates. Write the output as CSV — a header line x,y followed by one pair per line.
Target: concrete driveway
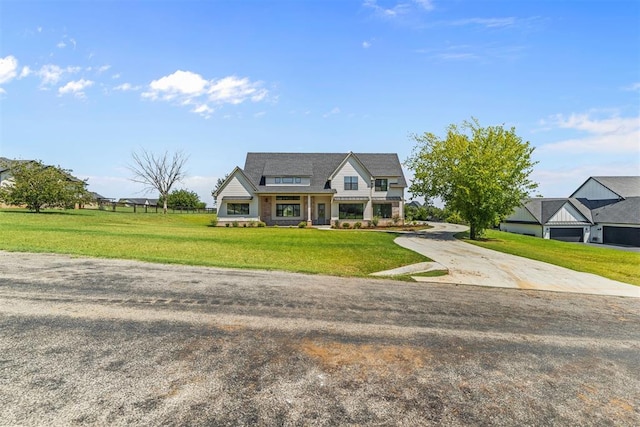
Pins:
x,y
472,265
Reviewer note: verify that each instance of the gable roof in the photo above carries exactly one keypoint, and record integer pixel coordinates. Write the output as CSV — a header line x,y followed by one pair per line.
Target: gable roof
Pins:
x,y
543,209
623,186
230,177
317,166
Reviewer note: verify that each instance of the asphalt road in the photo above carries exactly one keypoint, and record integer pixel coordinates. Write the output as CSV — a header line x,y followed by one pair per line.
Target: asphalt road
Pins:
x,y
107,342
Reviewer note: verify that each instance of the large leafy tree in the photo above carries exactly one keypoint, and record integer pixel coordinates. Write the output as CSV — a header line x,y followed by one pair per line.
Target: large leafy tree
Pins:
x,y
482,173
183,199
39,186
158,172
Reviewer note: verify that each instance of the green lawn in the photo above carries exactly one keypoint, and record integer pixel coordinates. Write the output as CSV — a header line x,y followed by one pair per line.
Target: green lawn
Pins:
x,y
614,264
187,239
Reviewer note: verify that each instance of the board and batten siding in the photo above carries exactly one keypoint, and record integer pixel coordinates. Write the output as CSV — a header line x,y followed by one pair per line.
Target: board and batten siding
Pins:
x,y
567,214
593,190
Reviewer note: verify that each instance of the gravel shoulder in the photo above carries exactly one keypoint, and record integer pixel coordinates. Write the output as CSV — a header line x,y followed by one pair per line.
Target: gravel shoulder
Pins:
x,y
108,342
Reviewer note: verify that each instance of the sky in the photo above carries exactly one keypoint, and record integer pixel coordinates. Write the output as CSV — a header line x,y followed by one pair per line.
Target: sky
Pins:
x,y
84,84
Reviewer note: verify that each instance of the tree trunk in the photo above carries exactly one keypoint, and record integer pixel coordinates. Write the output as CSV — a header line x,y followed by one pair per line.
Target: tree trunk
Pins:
x,y
164,204
472,231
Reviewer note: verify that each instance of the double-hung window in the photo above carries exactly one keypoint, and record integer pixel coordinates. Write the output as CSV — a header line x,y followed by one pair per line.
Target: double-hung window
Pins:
x,y
350,182
382,184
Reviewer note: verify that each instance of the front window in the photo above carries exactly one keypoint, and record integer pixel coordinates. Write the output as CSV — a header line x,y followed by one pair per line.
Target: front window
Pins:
x,y
382,184
382,210
288,180
237,208
351,211
350,182
287,210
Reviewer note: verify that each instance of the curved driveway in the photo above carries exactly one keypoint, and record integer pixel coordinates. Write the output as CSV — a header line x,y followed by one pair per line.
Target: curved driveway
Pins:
x,y
472,265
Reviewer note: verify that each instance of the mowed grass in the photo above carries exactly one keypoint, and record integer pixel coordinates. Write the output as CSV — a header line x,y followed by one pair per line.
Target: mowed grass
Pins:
x,y
606,262
187,239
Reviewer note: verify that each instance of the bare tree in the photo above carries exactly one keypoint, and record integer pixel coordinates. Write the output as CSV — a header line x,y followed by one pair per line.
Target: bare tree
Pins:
x,y
158,172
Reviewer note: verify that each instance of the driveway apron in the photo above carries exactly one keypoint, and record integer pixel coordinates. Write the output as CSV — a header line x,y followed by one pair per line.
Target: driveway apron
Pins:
x,y
472,265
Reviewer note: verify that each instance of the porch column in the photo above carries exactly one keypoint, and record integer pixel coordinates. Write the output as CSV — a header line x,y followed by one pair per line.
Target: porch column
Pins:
x,y
309,219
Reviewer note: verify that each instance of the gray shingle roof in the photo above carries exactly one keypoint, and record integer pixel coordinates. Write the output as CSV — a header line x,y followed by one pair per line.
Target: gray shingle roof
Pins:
x,y
625,211
543,209
318,166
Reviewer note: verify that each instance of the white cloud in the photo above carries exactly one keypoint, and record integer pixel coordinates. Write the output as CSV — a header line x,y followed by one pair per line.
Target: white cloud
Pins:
x,y
609,135
26,71
366,44
204,110
8,68
635,87
116,76
125,87
186,88
103,68
75,87
2,91
51,74
487,22
425,4
399,9
333,112
233,90
181,83
61,45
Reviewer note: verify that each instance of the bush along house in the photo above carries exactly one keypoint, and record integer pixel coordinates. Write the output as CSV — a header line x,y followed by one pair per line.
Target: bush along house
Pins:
x,y
316,188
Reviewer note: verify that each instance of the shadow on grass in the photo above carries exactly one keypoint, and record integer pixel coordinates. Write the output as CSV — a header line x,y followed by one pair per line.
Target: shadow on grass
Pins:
x,y
48,212
464,235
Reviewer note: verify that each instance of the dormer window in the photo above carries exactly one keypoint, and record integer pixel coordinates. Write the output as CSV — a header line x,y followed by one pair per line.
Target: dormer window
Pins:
x,y
288,180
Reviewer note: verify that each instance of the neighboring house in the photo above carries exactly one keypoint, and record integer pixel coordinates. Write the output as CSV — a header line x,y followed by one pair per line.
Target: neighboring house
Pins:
x,y
138,201
318,188
604,209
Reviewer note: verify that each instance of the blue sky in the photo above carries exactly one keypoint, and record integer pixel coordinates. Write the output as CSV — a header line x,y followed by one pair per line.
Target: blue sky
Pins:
x,y
84,84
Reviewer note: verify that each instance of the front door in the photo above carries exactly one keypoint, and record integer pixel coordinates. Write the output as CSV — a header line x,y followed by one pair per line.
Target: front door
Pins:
x,y
321,214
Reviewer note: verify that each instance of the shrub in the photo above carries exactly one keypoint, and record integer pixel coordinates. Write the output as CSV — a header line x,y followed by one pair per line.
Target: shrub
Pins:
x,y
302,224
357,225
346,225
336,224
252,223
375,221
227,225
395,219
261,224
235,224
455,218
214,221
244,224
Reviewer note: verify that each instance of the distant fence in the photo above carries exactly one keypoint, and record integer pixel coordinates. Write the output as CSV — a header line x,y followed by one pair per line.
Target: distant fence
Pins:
x,y
144,208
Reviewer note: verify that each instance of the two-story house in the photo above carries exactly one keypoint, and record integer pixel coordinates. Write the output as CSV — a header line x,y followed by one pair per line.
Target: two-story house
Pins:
x,y
319,188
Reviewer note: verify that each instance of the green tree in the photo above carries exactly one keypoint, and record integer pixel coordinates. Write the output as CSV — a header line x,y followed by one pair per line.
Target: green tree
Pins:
x,y
183,199
40,186
481,173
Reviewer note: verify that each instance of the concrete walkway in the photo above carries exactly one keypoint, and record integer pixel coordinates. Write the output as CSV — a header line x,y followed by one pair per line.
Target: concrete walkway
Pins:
x,y
472,265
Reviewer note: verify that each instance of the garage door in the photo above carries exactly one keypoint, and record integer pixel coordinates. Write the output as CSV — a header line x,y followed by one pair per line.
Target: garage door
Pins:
x,y
567,234
627,236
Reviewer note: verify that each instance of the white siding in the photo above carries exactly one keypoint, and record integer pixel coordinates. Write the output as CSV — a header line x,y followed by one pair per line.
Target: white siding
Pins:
x,y
237,186
567,214
529,229
593,190
351,168
521,214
